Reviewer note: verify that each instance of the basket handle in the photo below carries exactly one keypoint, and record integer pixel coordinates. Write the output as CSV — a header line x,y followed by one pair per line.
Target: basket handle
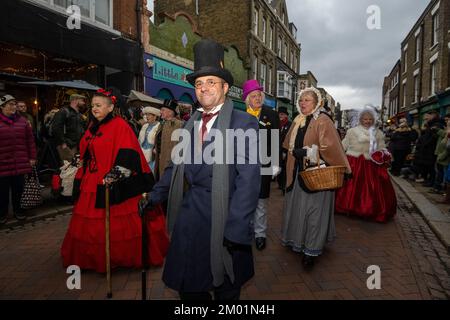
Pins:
x,y
318,158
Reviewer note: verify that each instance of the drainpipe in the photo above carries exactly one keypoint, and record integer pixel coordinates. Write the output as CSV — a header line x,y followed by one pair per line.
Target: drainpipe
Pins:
x,y
139,41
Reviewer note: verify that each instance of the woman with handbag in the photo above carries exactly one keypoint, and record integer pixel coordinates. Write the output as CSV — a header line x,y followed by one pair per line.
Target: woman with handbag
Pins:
x,y
108,146
308,215
17,156
369,194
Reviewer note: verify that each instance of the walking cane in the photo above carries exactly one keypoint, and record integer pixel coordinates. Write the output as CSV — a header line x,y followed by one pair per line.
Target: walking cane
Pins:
x,y
144,250
108,253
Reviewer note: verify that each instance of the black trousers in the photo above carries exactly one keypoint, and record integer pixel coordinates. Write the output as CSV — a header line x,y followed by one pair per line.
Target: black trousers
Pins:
x,y
226,292
15,184
399,160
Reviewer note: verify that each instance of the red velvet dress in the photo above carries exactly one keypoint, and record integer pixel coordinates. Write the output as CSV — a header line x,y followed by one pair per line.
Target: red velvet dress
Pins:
x,y
369,194
84,245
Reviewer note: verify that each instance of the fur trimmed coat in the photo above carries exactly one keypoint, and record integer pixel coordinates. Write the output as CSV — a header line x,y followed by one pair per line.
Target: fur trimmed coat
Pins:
x,y
357,142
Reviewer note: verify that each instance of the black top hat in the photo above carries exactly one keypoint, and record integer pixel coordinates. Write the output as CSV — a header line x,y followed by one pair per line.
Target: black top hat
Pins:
x,y
171,104
283,110
209,61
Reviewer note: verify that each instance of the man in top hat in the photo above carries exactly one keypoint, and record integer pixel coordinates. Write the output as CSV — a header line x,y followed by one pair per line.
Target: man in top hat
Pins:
x,y
253,95
285,125
164,141
211,205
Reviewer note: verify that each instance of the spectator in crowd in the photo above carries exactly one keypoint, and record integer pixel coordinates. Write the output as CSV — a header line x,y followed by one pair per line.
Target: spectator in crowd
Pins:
x,y
400,145
424,157
147,136
164,141
17,156
68,127
285,125
442,157
23,111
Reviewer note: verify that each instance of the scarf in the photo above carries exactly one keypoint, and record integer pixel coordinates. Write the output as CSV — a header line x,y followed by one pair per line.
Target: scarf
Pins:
x,y
221,260
284,123
254,112
300,122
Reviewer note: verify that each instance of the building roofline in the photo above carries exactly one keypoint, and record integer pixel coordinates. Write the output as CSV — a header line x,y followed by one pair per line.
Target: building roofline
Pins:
x,y
419,21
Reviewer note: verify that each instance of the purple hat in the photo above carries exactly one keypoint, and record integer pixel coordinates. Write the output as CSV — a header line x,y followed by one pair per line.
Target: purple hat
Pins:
x,y
249,86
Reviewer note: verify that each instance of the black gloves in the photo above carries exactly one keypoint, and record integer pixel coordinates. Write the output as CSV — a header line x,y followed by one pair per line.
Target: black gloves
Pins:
x,y
144,205
348,176
299,153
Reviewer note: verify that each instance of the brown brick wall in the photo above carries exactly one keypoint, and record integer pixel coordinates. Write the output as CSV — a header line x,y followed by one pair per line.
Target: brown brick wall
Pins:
x,y
124,13
427,52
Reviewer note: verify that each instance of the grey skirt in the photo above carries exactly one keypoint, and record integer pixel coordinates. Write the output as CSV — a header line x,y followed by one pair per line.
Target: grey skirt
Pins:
x,y
308,220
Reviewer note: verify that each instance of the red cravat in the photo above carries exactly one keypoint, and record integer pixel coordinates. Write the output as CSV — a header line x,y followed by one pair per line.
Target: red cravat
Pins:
x,y
206,117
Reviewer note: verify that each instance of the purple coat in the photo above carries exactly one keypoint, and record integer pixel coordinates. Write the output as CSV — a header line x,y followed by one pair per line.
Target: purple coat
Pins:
x,y
17,146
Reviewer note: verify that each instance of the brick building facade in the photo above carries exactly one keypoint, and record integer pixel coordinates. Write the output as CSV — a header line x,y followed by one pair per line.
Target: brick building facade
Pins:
x,y
259,29
38,43
425,80
391,95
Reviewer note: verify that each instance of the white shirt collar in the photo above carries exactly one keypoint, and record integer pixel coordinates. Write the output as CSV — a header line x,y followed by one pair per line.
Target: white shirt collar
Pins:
x,y
215,109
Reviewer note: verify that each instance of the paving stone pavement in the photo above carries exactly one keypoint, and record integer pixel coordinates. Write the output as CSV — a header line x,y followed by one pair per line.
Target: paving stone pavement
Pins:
x,y
414,264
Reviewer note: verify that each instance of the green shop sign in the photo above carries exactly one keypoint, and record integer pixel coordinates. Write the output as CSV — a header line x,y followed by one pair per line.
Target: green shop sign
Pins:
x,y
171,73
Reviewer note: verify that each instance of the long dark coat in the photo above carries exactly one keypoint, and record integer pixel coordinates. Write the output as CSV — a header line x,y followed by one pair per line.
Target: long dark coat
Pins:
x,y
187,266
268,120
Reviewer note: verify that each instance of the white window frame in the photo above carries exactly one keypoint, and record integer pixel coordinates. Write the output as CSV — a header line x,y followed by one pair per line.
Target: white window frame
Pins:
x,y
404,94
264,27
434,28
256,21
271,38
269,81
263,75
433,77
50,4
280,47
416,88
285,79
418,43
405,60
285,52
255,69
292,60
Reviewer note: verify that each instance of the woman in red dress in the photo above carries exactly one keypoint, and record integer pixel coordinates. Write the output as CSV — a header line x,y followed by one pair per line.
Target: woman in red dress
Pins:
x,y
110,143
369,194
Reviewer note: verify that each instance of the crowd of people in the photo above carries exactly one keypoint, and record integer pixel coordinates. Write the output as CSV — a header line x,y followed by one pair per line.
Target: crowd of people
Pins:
x,y
214,211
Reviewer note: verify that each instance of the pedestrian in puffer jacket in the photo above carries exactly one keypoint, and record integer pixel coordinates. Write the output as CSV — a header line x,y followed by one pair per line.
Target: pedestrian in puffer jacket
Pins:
x,y
17,156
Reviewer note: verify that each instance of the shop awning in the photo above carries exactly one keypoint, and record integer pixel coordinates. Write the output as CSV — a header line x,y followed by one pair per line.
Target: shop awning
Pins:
x,y
75,84
138,96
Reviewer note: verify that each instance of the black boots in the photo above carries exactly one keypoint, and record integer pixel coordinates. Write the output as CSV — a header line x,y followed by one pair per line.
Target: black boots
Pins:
x,y
260,243
308,261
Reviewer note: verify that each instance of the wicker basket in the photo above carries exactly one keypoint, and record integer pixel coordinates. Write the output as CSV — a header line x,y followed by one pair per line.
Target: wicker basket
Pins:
x,y
321,179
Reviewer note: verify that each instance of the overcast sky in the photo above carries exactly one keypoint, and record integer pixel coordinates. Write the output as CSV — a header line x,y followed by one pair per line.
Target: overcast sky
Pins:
x,y
349,60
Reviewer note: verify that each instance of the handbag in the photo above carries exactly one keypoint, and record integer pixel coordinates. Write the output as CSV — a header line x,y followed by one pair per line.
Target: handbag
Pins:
x,y
31,196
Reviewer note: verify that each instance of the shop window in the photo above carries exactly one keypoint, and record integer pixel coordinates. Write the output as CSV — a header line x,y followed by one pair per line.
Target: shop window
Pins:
x,y
164,94
99,11
284,85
